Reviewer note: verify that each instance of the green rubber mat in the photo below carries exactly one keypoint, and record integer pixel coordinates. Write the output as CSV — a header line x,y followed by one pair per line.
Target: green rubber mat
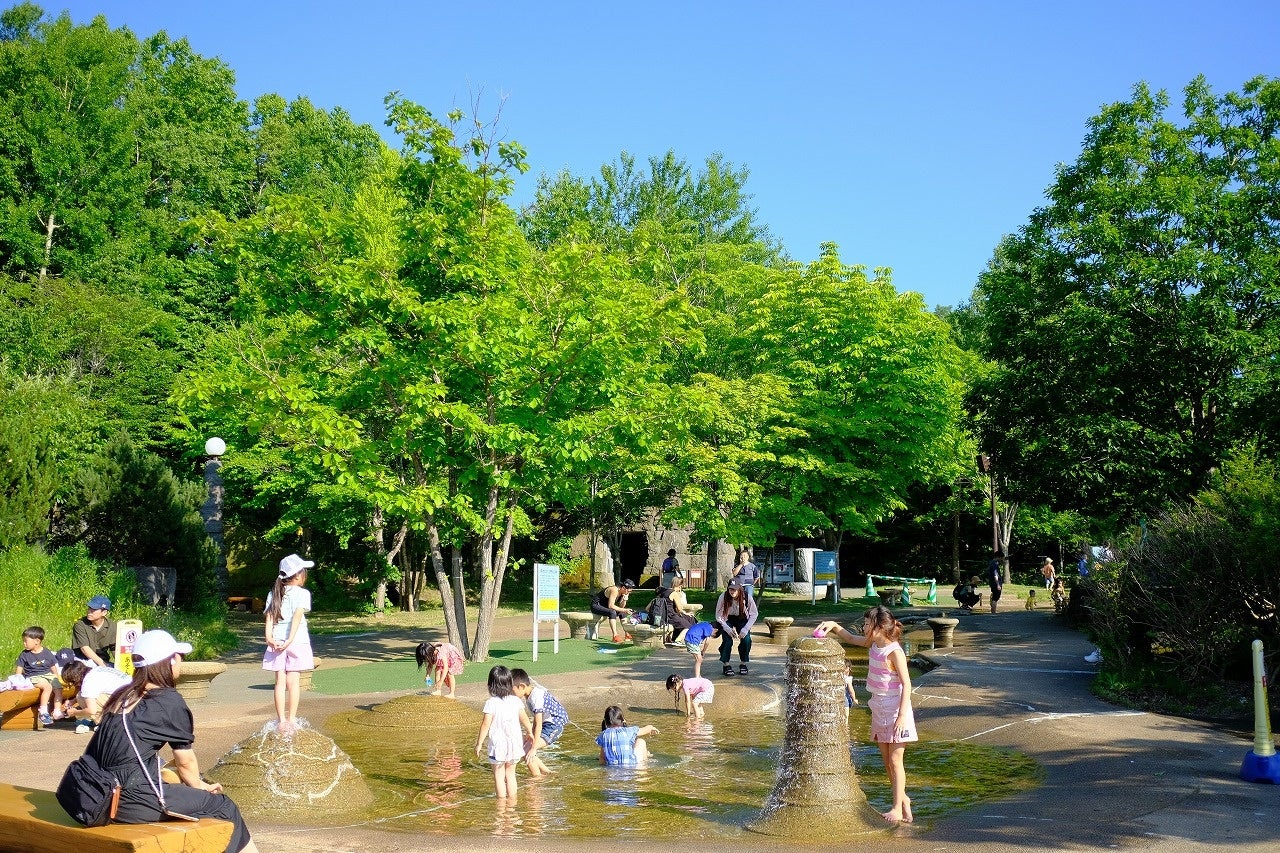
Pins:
x,y
403,674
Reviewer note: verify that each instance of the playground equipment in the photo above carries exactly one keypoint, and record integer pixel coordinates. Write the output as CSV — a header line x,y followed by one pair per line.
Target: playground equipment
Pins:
x,y
904,596
1261,764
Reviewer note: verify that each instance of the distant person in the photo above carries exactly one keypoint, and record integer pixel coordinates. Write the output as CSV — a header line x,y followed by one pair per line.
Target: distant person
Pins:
x,y
671,569
611,603
893,723
1048,572
1059,595
40,666
504,716
444,663
692,693
967,595
850,697
622,745
995,580
696,640
747,573
1082,567
736,612
549,719
93,636
288,643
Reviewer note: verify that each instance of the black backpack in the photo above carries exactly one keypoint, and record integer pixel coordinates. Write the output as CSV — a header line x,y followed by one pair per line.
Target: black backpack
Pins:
x,y
660,608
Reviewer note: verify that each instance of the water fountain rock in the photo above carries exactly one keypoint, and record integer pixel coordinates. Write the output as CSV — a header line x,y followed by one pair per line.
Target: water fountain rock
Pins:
x,y
269,775
816,796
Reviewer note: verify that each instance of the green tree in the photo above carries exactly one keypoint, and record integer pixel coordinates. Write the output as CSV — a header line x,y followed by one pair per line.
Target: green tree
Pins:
x,y
28,471
1132,321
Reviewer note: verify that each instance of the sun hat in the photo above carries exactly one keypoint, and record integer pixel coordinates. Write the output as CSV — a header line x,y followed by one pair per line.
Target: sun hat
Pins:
x,y
99,602
155,646
293,564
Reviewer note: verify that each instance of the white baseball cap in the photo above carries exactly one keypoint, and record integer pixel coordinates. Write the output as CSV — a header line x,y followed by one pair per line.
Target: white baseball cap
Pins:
x,y
293,564
156,646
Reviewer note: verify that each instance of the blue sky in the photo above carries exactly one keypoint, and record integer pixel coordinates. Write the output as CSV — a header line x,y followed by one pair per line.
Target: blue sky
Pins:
x,y
912,134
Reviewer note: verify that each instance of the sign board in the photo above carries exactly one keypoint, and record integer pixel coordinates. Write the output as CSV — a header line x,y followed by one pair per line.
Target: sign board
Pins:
x,y
127,633
826,570
546,602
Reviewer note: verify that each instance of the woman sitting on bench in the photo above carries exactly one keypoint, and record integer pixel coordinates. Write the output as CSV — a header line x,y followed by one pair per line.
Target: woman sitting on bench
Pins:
x,y
141,718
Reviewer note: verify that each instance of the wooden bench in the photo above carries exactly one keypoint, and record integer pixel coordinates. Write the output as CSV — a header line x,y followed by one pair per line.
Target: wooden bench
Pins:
x,y
31,820
246,603
18,710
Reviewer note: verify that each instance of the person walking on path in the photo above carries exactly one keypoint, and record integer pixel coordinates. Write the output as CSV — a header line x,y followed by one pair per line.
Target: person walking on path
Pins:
x,y
995,580
893,723
736,612
1049,573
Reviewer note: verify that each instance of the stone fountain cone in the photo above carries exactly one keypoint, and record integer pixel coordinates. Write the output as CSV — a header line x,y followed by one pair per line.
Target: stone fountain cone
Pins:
x,y
270,775
817,796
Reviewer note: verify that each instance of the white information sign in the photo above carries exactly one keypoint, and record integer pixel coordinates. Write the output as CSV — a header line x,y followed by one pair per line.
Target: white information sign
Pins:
x,y
546,602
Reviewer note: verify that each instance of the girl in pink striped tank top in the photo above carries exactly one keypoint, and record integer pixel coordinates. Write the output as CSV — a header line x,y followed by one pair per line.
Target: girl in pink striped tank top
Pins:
x,y
893,723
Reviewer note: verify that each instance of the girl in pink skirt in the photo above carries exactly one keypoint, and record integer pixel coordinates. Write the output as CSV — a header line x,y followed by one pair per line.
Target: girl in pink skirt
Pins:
x,y
443,661
288,643
893,724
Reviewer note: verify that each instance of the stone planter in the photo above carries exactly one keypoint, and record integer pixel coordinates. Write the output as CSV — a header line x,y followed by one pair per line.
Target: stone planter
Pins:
x,y
778,626
193,682
944,628
646,635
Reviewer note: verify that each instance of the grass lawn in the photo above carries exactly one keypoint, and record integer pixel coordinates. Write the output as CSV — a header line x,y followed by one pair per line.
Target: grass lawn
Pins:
x,y
403,674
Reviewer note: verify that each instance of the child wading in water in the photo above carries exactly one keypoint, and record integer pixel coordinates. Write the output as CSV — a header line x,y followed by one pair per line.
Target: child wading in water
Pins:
x,y
288,643
549,719
622,745
504,717
443,662
695,692
893,723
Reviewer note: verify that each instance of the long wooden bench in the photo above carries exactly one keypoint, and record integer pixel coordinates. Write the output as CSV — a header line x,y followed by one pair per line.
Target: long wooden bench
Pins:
x,y
18,709
31,821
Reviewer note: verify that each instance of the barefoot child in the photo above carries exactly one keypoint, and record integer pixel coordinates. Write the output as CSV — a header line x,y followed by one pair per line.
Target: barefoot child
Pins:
x,y
444,663
622,745
893,723
850,698
288,643
696,692
549,719
504,716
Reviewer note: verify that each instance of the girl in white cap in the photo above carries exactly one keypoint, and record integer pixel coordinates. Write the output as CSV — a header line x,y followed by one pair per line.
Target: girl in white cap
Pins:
x,y
288,643
140,719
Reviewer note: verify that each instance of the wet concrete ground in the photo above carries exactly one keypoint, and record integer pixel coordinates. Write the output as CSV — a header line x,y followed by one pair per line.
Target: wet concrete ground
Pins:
x,y
1114,779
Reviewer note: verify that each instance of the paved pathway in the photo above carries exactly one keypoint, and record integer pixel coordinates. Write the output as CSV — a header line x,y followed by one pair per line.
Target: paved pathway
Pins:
x,y
1113,778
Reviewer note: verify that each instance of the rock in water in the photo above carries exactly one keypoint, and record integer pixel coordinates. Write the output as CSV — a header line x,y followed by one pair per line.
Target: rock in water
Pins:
x,y
271,775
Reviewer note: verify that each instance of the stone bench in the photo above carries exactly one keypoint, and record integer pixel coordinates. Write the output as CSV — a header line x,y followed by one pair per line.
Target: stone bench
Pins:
x,y
647,635
31,820
582,625
778,626
18,710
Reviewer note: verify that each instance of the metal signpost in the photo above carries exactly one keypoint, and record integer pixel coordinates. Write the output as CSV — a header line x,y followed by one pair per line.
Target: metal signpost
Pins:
x,y
546,602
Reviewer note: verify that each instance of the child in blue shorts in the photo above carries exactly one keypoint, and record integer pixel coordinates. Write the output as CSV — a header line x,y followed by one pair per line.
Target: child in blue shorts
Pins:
x,y
549,719
695,643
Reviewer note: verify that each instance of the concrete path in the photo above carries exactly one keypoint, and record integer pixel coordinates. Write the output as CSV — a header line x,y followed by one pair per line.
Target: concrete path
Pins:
x,y
1113,778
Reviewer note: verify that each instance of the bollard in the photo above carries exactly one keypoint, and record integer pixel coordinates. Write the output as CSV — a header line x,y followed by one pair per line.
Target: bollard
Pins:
x,y
933,592
871,591
1260,763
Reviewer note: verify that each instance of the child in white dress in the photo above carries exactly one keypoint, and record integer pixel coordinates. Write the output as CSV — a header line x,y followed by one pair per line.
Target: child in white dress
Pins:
x,y
504,717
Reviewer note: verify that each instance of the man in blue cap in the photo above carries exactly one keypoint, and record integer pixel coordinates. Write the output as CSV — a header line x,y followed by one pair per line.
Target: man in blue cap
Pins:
x,y
94,635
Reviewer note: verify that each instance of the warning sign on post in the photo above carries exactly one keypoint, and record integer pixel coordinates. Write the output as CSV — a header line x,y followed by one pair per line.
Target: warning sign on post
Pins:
x,y
127,633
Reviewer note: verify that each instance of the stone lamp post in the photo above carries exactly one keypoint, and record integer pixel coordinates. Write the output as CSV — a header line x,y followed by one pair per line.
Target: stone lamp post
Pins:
x,y
211,511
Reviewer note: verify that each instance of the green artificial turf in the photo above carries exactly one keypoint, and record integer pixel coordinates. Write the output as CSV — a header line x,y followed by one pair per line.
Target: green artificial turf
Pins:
x,y
402,673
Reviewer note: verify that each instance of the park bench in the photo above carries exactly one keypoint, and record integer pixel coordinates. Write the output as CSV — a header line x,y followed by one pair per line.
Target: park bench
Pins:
x,y
18,709
582,625
31,820
246,603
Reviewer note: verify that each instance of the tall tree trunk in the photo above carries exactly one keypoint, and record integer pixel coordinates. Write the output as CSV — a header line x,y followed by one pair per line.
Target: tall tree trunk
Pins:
x,y
446,595
49,227
1006,533
494,569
